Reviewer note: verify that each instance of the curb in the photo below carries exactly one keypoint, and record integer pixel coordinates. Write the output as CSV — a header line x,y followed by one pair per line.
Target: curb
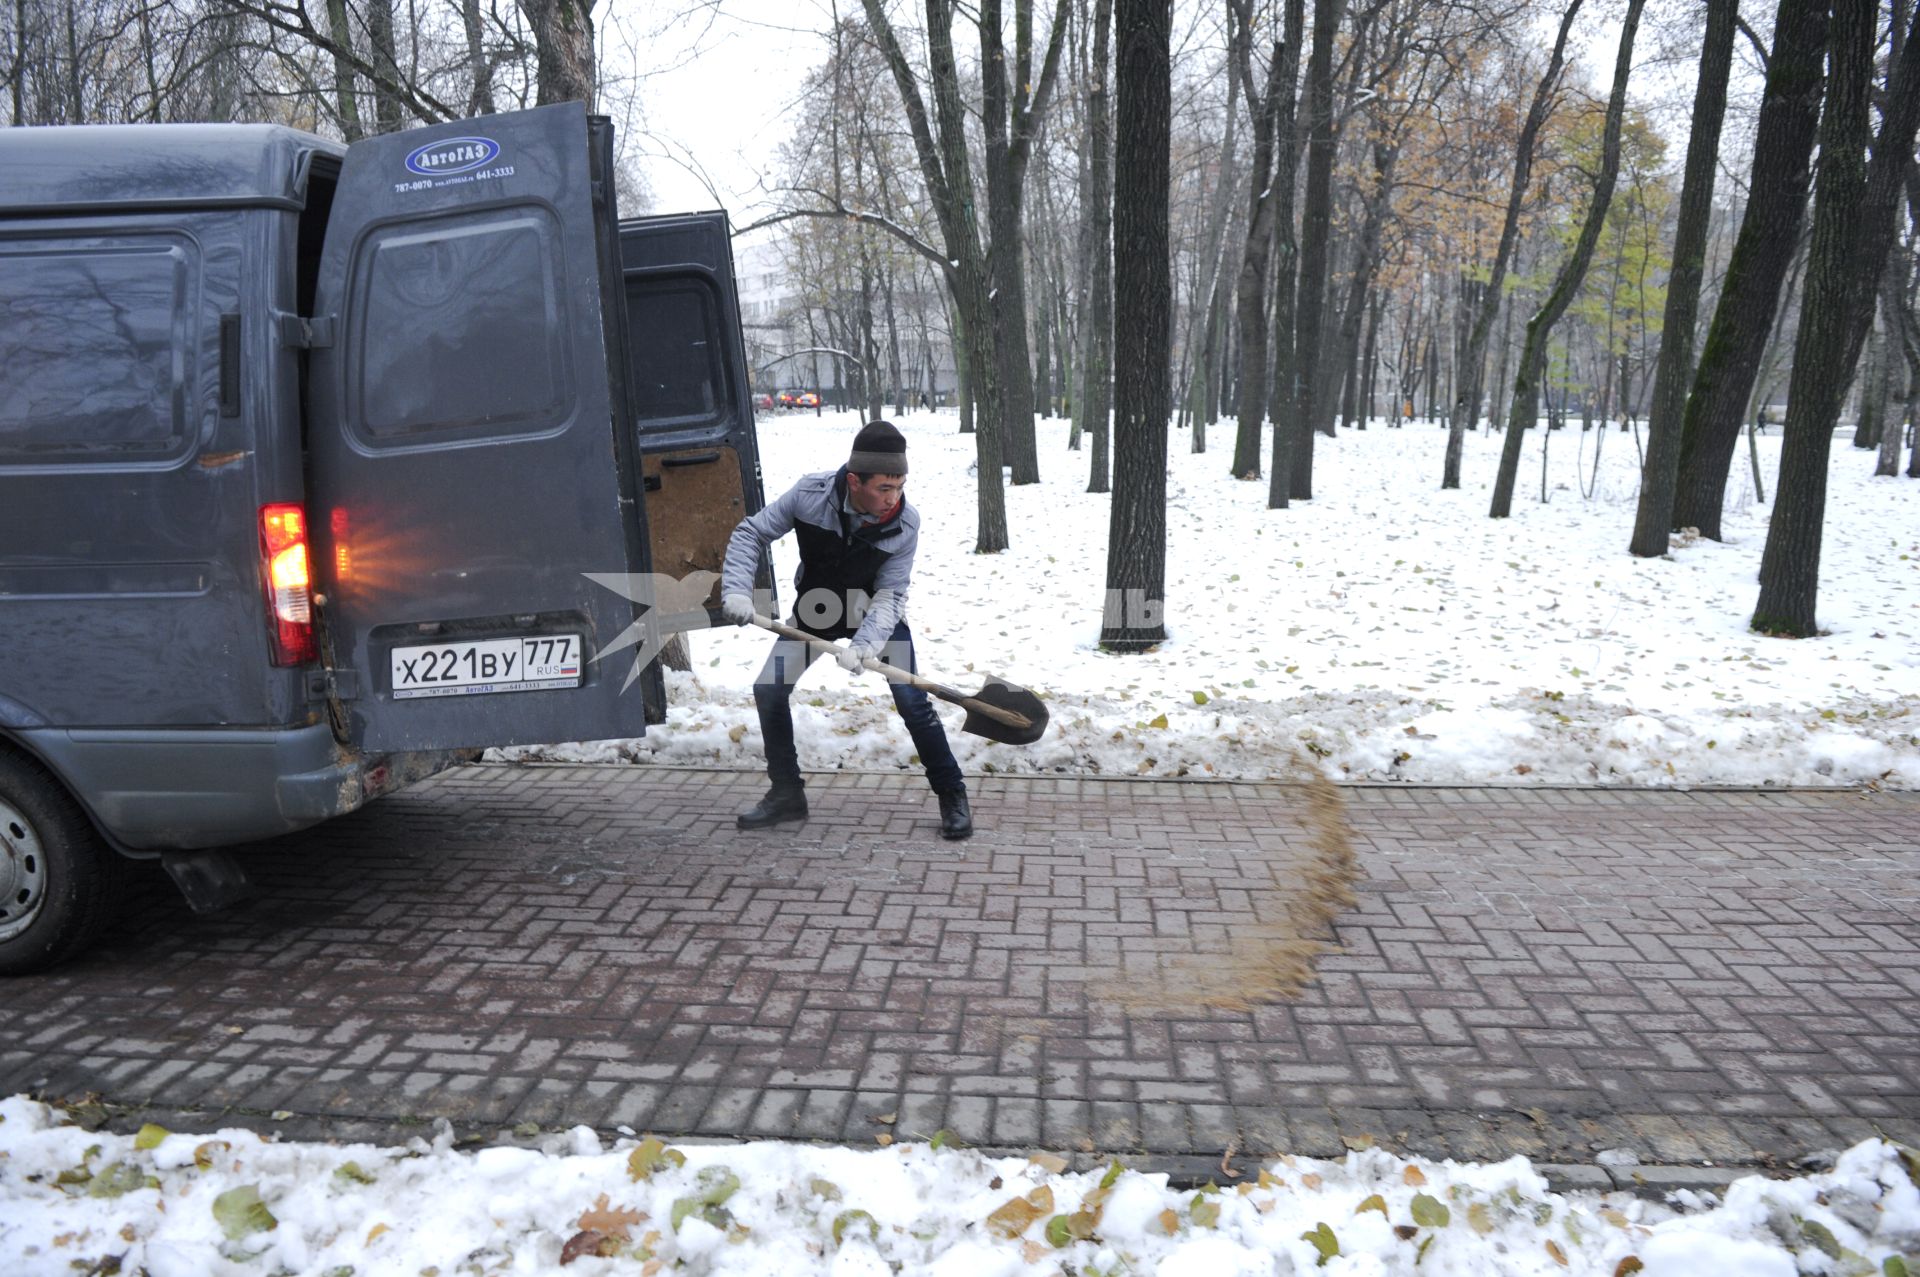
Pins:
x,y
1183,1170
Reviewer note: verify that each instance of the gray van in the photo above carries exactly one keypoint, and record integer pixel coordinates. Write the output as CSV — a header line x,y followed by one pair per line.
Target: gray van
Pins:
x,y
306,452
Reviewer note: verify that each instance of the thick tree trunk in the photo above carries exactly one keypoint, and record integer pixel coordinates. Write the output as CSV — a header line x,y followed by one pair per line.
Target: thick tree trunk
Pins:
x,y
1316,231
1283,379
346,94
1654,517
387,114
1134,615
563,45
1487,301
1567,282
1730,355
479,65
1097,392
1853,228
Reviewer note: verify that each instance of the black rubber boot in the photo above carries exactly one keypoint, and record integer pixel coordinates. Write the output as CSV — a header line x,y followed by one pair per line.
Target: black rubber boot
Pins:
x,y
780,805
956,818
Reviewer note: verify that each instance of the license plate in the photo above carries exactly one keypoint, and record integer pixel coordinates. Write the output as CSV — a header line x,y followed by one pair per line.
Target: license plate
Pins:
x,y
486,665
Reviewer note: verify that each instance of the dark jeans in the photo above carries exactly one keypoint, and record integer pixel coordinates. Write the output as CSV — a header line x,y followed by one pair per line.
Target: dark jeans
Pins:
x,y
773,693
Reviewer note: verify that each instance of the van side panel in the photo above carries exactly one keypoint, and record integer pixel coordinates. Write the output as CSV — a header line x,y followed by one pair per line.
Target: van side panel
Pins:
x,y
129,491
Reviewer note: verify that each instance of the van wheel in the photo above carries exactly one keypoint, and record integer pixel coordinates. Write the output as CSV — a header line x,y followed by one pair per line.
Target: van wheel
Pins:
x,y
59,883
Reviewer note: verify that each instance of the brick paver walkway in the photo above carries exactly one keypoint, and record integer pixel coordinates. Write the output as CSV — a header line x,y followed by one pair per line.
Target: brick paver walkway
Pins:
x,y
1725,976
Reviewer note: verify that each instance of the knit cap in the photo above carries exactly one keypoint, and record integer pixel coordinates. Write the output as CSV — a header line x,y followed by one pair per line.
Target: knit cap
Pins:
x,y
879,448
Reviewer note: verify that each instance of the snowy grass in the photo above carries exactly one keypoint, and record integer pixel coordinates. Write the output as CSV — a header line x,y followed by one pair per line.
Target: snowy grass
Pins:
x,y
1387,627
230,1203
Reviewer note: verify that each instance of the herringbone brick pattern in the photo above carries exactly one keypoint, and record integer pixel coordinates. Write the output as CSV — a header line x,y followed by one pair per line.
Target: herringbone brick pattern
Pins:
x,y
1724,976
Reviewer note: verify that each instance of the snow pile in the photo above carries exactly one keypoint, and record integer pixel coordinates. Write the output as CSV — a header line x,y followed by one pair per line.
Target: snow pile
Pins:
x,y
1386,627
175,1205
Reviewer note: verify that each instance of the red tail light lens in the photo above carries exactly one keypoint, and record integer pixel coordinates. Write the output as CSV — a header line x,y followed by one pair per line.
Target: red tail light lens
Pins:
x,y
283,570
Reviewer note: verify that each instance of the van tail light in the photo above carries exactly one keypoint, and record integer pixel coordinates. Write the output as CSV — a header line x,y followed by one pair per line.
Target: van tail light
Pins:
x,y
289,586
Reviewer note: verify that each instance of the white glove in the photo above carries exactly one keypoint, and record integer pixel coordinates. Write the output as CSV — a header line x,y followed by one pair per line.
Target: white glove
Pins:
x,y
851,656
737,608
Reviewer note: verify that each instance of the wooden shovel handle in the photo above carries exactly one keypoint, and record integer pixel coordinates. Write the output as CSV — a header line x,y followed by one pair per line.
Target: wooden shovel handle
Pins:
x,y
894,675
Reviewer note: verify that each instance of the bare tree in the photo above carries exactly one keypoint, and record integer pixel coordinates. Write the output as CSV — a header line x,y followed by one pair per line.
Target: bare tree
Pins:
x,y
1526,385
1137,533
1655,514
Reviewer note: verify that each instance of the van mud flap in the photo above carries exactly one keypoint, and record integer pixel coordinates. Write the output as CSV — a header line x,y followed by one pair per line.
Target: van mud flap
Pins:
x,y
211,880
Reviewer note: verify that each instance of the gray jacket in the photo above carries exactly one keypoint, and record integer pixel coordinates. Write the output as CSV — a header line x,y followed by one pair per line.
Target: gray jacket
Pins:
x,y
852,572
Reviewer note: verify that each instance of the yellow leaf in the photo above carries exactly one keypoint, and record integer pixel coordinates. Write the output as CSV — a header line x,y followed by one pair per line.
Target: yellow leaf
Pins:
x,y
737,732
1052,1163
1614,1217
1413,1176
883,1139
1479,1218
1376,1202
150,1136
1311,1180
1033,1252
375,1231
1169,1222
1160,722
1013,1218
1559,1256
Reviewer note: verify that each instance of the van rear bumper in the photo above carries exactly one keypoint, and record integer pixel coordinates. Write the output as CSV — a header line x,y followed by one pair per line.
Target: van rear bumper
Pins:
x,y
152,791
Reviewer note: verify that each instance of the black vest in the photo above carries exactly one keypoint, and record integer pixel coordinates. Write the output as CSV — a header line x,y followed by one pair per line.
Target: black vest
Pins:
x,y
842,565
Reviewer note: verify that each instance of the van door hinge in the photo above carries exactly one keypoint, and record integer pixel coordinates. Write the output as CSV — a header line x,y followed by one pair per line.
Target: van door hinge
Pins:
x,y
302,333
333,685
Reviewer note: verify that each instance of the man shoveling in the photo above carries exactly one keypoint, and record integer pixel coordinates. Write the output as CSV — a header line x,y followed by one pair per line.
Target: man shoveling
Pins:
x,y
857,539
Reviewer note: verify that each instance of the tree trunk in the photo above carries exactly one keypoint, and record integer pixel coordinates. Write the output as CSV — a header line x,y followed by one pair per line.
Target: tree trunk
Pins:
x,y
1730,355
1316,230
1270,109
1874,377
387,114
1466,407
1284,378
1790,564
1134,616
1654,517
479,65
1006,260
1855,203
1097,393
1369,363
563,44
1567,282
345,91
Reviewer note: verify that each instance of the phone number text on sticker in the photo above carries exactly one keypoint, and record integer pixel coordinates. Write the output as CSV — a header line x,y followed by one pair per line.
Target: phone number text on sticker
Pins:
x,y
487,665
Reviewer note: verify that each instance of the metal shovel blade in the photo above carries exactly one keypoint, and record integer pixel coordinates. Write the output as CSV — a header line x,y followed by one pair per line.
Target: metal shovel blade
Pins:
x,y
1014,700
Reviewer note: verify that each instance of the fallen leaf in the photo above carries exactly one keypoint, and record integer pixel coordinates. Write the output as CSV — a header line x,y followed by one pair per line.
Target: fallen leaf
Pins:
x,y
1559,1256
375,1231
885,1119
1376,1202
1169,1222
1628,1266
883,1139
1033,1251
1052,1163
1311,1180
1413,1176
585,1242
613,1221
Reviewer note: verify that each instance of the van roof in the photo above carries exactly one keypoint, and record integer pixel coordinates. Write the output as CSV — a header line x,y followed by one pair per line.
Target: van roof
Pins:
x,y
72,167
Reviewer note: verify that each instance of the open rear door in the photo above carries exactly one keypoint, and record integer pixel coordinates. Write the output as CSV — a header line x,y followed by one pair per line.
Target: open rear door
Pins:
x,y
467,452
692,413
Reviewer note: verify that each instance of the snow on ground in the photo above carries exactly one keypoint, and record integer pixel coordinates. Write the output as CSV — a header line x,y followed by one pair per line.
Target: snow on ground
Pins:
x,y
1386,626
208,1205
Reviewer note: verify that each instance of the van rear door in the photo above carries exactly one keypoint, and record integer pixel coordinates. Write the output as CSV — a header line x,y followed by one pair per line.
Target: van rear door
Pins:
x,y
467,459
692,410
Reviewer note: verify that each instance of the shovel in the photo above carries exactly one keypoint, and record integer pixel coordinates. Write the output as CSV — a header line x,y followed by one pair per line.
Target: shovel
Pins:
x,y
999,711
